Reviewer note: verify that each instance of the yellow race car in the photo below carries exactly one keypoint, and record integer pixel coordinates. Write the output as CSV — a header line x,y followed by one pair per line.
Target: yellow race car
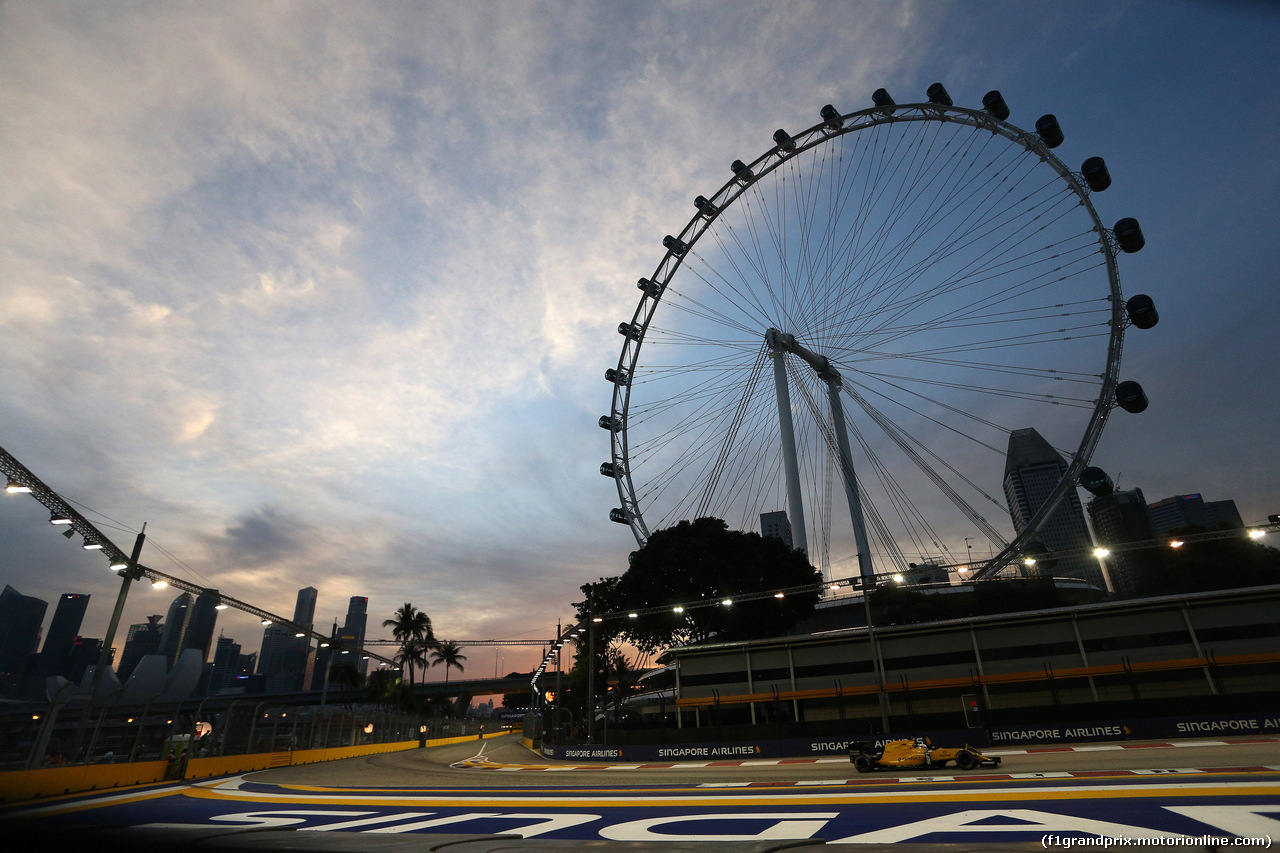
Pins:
x,y
918,753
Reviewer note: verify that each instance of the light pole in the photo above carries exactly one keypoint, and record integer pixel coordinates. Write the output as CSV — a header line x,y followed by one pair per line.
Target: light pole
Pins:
x,y
127,576
591,679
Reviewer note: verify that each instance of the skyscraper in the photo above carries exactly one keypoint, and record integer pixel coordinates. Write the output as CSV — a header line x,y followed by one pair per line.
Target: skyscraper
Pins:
x,y
353,629
202,617
143,639
281,662
226,665
85,652
1184,511
776,525
20,619
1118,518
1032,470
55,656
304,612
175,625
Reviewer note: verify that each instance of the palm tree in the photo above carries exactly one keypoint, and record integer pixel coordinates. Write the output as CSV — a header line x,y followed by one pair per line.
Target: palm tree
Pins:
x,y
412,627
414,653
449,653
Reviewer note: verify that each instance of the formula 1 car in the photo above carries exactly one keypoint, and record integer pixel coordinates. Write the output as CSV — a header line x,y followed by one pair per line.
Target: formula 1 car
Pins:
x,y
915,753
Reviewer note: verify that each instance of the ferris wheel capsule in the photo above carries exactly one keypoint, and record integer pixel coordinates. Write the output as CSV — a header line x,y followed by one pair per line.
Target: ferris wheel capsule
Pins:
x,y
881,98
1131,397
1050,131
1142,311
993,102
1096,174
674,245
937,94
1129,235
1096,481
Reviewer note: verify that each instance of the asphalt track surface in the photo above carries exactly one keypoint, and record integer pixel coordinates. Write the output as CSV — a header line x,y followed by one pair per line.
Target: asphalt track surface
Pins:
x,y
482,796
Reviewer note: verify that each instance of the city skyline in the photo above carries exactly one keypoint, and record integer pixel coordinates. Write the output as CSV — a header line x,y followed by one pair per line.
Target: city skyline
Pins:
x,y
329,306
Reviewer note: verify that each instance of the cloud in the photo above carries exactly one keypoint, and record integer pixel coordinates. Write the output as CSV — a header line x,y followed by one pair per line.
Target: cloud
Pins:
x,y
260,537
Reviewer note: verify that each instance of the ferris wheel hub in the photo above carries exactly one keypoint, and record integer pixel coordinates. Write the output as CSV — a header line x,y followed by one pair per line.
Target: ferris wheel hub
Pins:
x,y
781,342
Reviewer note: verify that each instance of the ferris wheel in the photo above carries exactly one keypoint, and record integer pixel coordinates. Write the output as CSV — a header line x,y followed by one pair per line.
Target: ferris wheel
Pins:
x,y
850,328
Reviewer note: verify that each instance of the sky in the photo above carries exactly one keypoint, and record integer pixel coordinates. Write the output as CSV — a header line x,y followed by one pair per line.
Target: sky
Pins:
x,y
323,293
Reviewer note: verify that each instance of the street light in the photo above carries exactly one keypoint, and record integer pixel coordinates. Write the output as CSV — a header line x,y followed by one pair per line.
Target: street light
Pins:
x,y
1102,554
16,488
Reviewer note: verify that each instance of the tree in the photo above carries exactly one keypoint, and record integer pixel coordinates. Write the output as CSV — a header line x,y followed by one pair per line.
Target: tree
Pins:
x,y
517,701
349,678
1199,566
383,686
449,653
411,626
700,565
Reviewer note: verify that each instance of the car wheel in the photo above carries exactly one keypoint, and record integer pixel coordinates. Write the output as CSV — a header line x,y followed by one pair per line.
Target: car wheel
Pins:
x,y
966,760
862,764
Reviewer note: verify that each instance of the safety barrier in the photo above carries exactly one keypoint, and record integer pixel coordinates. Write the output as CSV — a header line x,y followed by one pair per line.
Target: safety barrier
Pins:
x,y
18,785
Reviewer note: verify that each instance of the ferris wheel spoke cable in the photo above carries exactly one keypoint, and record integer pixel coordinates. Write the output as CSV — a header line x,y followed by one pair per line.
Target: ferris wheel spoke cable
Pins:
x,y
966,277
731,433
897,497
998,219
1040,313
908,445
899,435
700,430
890,255
912,521
981,276
689,306
977,367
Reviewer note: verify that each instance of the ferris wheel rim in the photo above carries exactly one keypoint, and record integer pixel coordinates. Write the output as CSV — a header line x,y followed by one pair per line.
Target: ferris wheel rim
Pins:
x,y
680,244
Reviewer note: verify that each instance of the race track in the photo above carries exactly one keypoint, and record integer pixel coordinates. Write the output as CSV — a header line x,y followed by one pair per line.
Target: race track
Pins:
x,y
471,793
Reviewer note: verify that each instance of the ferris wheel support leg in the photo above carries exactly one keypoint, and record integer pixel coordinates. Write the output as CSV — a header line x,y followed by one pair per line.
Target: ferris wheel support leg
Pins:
x,y
795,503
865,568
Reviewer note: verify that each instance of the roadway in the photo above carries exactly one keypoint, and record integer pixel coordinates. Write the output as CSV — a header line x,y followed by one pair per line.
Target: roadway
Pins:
x,y
466,794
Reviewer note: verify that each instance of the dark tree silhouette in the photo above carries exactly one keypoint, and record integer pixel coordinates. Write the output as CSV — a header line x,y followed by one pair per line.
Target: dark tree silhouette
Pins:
x,y
703,563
